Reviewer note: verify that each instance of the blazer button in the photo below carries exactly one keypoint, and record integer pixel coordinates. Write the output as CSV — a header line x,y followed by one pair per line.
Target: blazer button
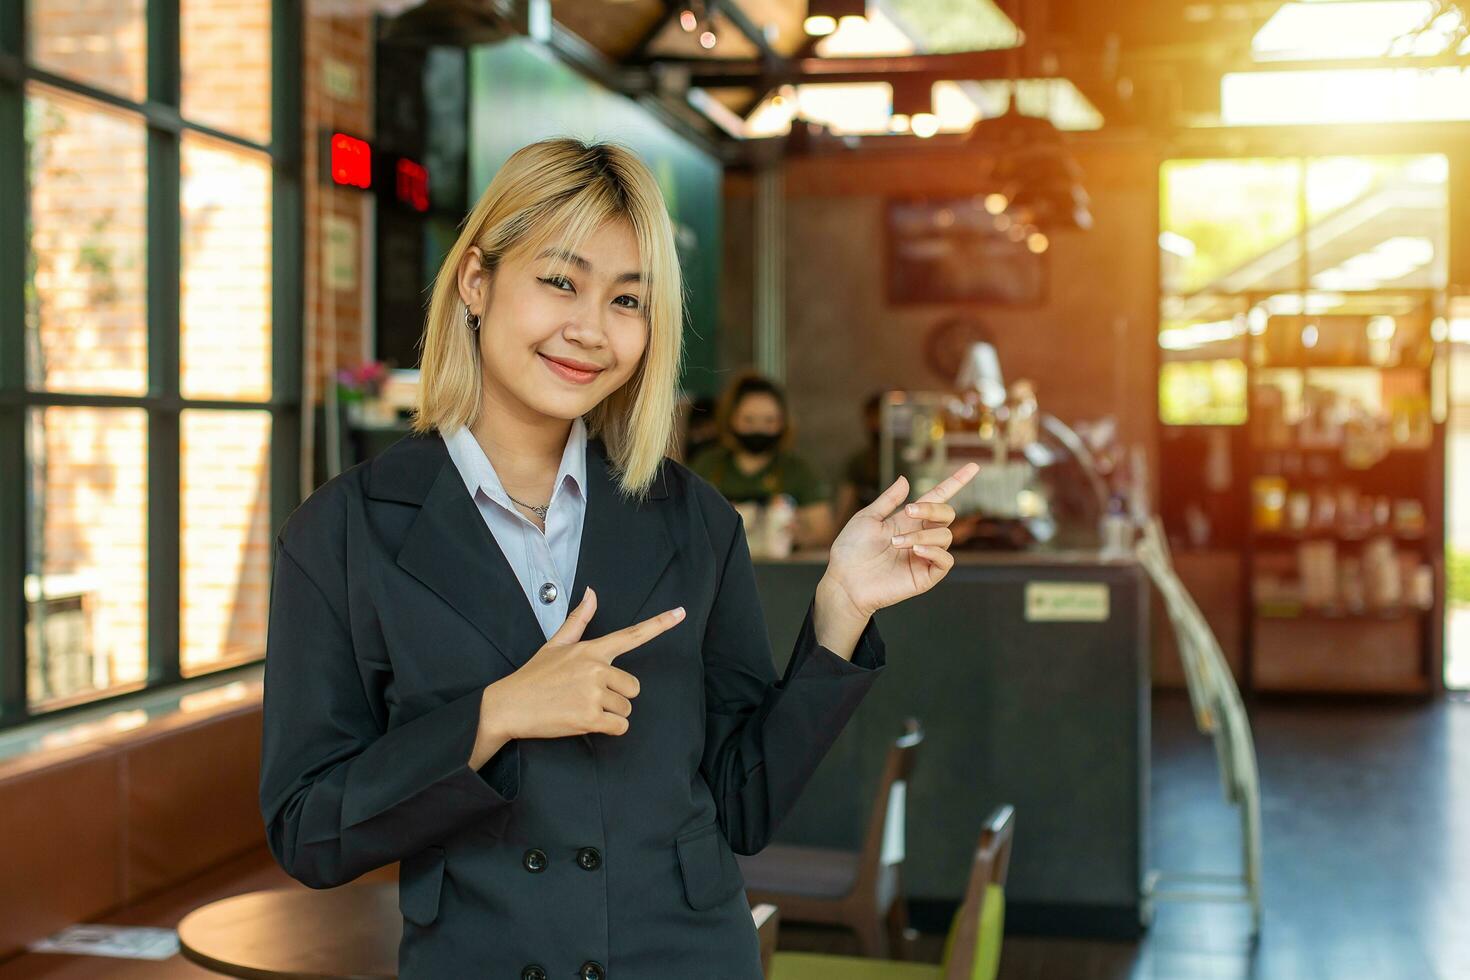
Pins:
x,y
588,859
533,972
548,593
534,861
592,970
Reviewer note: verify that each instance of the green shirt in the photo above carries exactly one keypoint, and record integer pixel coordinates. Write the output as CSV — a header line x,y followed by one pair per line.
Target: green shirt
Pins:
x,y
785,473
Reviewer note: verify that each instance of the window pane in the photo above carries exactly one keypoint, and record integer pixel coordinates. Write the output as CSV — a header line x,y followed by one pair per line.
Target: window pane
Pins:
x,y
1378,222
86,309
99,42
225,537
1202,392
86,552
225,309
1228,226
225,52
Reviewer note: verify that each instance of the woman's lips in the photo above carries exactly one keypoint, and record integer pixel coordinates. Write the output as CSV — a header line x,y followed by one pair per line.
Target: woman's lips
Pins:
x,y
568,373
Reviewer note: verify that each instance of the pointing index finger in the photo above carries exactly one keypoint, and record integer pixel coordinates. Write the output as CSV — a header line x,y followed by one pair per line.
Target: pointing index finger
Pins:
x,y
951,485
628,638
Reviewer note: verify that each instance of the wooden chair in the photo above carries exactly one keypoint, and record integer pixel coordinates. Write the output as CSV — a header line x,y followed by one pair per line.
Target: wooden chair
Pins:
x,y
862,890
972,947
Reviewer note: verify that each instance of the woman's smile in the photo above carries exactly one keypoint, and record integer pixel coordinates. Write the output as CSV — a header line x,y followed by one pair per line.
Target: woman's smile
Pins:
x,y
570,370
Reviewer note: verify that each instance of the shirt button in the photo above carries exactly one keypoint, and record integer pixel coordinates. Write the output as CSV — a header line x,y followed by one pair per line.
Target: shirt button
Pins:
x,y
592,970
533,972
588,859
534,860
548,593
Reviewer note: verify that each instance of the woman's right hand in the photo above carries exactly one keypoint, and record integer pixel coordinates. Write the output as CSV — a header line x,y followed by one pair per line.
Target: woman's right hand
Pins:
x,y
569,686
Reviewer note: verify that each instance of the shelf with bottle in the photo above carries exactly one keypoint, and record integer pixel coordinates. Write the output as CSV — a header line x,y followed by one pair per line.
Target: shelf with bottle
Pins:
x,y
1379,580
1360,418
1342,511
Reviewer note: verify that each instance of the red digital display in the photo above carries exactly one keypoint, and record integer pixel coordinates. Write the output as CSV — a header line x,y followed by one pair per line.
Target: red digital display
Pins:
x,y
352,161
412,184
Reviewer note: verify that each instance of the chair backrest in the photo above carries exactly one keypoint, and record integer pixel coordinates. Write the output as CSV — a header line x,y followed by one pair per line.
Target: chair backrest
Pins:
x,y
972,948
881,860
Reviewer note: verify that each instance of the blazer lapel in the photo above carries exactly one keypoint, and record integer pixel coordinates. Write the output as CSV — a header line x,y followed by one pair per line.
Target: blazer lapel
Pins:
x,y
625,546
623,551
451,550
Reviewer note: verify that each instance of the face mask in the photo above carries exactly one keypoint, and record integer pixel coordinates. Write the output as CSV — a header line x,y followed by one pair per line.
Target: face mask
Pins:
x,y
757,443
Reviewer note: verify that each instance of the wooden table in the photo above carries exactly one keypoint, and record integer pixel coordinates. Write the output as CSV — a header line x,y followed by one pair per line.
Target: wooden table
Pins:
x,y
347,933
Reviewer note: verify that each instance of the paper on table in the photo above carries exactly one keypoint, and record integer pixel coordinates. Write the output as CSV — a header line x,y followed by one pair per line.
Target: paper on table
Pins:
x,y
126,942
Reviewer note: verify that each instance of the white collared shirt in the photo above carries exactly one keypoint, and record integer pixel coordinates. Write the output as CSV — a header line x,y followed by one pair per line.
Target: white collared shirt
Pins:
x,y
545,564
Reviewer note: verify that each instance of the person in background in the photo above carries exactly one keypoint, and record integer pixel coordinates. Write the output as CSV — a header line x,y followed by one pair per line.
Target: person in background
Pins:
x,y
753,461
701,427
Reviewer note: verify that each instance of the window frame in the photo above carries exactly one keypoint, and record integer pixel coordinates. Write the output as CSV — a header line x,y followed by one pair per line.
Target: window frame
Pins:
x,y
165,128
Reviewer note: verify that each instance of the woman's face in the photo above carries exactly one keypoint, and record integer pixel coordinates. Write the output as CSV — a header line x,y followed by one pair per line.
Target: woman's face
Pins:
x,y
757,412
545,316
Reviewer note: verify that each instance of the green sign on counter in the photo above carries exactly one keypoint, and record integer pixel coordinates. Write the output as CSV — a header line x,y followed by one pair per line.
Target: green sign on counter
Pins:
x,y
1066,602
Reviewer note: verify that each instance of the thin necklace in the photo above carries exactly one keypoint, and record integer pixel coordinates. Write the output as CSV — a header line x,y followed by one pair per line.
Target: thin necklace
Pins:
x,y
540,511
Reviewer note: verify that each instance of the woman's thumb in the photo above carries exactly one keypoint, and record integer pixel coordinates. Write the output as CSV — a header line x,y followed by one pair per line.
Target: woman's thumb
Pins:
x,y
578,618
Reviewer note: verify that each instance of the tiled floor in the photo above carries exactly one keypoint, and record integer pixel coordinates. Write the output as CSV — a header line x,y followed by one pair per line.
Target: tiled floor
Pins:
x,y
1366,812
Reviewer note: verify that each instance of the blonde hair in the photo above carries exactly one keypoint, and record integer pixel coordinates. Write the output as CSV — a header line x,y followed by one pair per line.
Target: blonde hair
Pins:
x,y
564,189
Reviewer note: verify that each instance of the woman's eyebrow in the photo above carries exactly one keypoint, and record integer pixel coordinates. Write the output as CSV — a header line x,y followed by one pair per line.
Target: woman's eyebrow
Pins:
x,y
581,263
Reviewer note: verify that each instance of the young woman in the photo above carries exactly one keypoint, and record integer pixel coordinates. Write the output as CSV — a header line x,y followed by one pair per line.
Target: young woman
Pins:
x,y
564,784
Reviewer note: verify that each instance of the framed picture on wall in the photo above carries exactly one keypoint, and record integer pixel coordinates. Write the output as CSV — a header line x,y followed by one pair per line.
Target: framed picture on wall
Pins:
x,y
953,251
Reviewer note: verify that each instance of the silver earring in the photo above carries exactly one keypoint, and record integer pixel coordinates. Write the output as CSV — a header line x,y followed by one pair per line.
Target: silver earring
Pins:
x,y
471,320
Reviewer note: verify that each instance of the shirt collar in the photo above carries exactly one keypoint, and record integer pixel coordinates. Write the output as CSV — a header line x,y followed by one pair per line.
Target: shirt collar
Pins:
x,y
478,473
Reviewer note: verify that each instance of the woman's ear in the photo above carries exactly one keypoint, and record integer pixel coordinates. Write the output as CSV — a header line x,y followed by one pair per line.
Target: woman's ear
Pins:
x,y
474,280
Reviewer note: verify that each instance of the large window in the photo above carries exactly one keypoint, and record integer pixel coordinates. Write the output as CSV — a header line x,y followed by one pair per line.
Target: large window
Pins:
x,y
149,338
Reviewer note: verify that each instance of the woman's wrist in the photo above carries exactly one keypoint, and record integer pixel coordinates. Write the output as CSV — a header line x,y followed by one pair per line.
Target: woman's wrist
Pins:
x,y
836,620
493,732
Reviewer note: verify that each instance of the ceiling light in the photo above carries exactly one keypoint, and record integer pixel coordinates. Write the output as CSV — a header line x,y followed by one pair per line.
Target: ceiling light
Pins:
x,y
924,124
995,203
1041,181
1037,242
707,40
822,16
688,20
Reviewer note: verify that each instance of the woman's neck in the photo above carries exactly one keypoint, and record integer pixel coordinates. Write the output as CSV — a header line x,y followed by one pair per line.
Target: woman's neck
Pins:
x,y
524,447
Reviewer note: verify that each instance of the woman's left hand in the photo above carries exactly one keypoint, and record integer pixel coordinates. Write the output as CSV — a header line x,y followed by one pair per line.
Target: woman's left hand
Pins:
x,y
888,553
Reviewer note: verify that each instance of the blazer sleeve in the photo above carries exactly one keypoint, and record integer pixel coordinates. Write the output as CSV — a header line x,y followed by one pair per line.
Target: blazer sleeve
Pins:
x,y
763,737
341,793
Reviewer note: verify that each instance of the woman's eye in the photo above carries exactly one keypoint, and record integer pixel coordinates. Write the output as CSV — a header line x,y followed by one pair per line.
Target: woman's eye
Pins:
x,y
632,303
557,282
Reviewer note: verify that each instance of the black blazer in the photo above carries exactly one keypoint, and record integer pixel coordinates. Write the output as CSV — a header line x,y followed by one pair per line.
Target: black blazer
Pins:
x,y
592,856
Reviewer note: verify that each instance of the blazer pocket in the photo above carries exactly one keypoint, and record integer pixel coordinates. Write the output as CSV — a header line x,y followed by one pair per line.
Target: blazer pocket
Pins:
x,y
420,878
708,867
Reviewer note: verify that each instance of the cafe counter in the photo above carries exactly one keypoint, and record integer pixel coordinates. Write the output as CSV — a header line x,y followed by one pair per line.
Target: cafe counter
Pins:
x,y
1029,674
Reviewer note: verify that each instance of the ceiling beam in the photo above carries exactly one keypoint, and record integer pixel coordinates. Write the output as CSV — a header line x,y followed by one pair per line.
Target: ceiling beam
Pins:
x,y
669,15
750,29
1067,61
752,74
